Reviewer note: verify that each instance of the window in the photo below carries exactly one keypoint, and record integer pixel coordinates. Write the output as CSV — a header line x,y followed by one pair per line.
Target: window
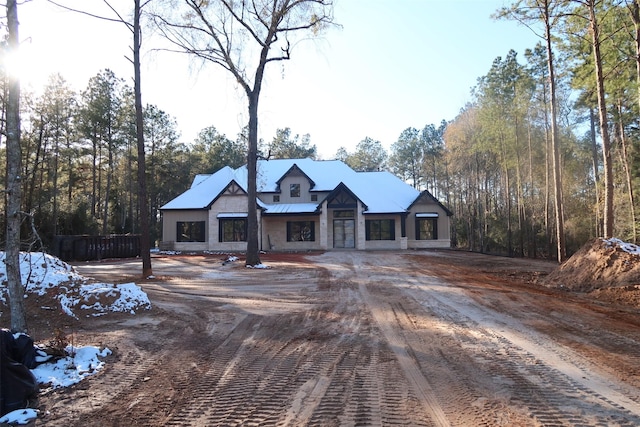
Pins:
x,y
190,231
233,230
294,190
343,214
301,231
380,229
314,197
276,198
426,228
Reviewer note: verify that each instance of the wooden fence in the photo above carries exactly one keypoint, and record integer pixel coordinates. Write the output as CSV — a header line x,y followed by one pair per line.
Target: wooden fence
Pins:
x,y
90,248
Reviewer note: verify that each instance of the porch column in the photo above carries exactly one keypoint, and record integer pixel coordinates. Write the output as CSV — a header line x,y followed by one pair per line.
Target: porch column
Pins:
x,y
324,232
361,234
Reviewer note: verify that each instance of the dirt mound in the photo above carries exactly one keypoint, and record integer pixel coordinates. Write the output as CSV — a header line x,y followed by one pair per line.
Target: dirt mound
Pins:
x,y
599,264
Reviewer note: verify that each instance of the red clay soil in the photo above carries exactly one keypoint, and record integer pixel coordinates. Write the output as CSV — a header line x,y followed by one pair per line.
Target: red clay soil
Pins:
x,y
420,338
604,270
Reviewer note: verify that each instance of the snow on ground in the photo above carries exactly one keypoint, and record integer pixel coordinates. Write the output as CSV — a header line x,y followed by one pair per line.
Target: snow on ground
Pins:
x,y
80,363
19,417
44,274
625,246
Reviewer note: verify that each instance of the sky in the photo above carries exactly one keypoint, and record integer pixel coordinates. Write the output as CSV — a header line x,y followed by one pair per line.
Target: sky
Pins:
x,y
392,64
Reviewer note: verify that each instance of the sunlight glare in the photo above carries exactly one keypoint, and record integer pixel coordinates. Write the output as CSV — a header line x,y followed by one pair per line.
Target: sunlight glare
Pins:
x,y
12,63
26,65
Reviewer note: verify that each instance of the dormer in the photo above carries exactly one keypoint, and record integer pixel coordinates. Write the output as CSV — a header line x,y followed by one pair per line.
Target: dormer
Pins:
x,y
295,172
294,187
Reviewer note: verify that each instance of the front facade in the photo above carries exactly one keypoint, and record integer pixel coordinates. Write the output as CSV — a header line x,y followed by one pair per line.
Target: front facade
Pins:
x,y
305,204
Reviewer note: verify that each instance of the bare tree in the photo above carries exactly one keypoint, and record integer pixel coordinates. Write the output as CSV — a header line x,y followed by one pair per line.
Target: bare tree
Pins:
x,y
13,191
243,36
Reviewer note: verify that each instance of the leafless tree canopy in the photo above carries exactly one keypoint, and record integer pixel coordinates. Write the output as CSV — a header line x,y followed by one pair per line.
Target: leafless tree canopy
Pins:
x,y
241,35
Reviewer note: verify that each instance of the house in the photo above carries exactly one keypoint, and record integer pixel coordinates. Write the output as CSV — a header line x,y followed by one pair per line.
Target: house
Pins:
x,y
305,204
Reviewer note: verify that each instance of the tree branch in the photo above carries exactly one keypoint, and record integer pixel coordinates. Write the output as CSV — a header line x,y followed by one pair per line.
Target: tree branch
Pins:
x,y
119,18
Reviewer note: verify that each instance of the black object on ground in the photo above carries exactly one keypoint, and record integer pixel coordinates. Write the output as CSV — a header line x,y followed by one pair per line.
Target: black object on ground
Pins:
x,y
17,384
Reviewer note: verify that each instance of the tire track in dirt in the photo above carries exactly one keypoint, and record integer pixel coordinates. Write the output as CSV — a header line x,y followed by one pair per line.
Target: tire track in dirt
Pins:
x,y
382,315
245,377
531,375
367,386
540,375
212,370
325,366
466,397
590,334
102,390
450,380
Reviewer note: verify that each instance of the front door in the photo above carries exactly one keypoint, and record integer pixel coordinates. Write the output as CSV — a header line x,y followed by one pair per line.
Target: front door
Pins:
x,y
344,233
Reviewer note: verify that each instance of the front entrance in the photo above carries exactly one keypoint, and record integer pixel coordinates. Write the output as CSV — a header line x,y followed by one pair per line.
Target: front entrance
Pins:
x,y
344,233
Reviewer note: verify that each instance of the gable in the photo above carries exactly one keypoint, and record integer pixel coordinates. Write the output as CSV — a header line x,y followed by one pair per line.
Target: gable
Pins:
x,y
342,198
233,189
426,198
294,172
205,190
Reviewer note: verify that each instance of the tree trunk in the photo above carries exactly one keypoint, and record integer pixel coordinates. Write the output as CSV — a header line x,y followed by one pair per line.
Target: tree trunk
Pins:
x,y
519,192
54,181
107,191
604,124
507,196
595,167
533,250
555,144
627,170
94,174
635,16
253,257
30,188
145,238
14,156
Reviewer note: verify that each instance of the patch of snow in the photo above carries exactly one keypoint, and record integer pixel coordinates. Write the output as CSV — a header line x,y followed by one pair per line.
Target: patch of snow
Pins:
x,y
19,417
66,303
171,252
258,266
128,297
39,273
80,363
625,246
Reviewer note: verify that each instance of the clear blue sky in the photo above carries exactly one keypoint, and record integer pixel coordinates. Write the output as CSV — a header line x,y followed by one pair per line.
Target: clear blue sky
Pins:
x,y
393,64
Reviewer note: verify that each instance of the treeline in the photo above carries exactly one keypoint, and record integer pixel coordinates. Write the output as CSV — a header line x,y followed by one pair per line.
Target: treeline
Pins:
x,y
500,148
80,166
494,166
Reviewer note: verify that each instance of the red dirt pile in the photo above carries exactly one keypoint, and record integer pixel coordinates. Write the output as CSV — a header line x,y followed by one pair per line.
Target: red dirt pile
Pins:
x,y
607,269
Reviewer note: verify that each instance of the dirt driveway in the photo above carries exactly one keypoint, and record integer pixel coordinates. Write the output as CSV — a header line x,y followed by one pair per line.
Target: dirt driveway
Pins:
x,y
429,338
